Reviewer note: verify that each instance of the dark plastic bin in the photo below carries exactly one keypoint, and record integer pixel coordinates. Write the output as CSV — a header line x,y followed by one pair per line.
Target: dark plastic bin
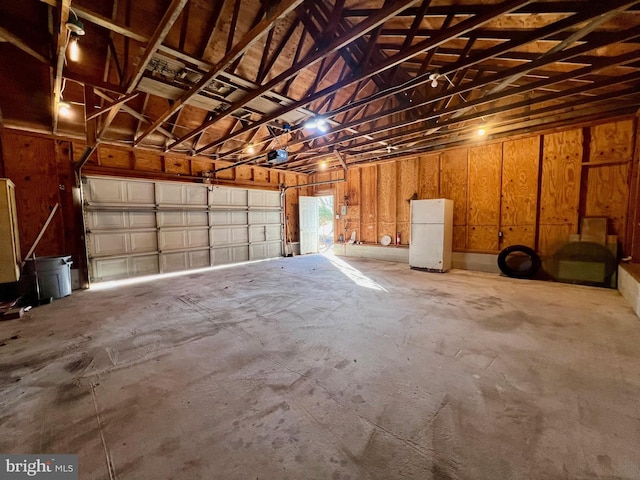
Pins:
x,y
53,275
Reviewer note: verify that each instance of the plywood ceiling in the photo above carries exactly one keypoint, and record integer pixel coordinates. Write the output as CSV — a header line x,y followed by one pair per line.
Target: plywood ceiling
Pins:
x,y
390,78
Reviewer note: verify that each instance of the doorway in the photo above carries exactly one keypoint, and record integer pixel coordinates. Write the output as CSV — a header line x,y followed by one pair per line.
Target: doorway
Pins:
x,y
325,223
316,224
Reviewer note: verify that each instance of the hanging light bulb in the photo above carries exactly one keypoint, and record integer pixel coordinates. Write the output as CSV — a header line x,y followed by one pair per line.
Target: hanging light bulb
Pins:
x,y
311,123
482,131
434,79
74,49
323,165
322,125
64,108
251,148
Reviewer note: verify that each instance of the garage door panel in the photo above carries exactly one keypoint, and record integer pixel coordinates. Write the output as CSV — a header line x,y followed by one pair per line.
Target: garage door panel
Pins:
x,y
226,255
143,242
177,194
103,244
228,196
124,267
228,218
182,219
262,198
183,239
120,243
107,220
274,249
264,233
111,190
106,191
140,192
146,227
178,261
110,268
258,251
229,236
141,219
262,217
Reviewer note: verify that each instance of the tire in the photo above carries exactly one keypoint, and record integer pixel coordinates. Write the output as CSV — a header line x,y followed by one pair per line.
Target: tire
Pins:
x,y
521,270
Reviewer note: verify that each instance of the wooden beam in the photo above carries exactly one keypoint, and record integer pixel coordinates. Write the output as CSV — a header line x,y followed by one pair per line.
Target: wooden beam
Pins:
x,y
94,82
89,120
360,30
213,23
18,42
341,158
281,10
133,113
574,37
171,15
370,24
61,47
88,151
117,103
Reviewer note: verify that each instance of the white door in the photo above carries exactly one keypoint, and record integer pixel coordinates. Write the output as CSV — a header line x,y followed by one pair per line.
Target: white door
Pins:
x,y
308,207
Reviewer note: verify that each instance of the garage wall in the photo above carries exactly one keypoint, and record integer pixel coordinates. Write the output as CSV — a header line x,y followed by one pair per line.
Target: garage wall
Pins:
x,y
529,191
42,169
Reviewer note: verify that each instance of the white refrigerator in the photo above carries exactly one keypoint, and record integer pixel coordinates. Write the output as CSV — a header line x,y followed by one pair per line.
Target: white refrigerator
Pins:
x,y
431,234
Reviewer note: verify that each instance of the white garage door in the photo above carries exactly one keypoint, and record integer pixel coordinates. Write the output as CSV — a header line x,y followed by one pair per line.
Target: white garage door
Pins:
x,y
140,227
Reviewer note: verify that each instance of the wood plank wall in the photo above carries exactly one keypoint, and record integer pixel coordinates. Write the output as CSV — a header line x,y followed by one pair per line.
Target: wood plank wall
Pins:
x,y
42,169
531,191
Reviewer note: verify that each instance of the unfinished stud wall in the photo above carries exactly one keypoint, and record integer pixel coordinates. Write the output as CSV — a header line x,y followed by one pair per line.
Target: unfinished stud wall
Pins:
x,y
531,191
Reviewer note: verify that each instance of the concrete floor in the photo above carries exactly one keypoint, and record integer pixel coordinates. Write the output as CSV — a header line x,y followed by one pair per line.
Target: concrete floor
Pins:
x,y
314,368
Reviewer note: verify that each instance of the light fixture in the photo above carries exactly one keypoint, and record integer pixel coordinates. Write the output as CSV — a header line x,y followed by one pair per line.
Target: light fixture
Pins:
x,y
76,29
251,148
64,108
74,50
434,79
74,25
323,165
317,123
482,132
322,125
311,123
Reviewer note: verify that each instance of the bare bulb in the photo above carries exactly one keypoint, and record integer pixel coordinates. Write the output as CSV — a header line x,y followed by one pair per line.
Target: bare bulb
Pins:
x,y
323,165
74,50
481,132
251,148
64,108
